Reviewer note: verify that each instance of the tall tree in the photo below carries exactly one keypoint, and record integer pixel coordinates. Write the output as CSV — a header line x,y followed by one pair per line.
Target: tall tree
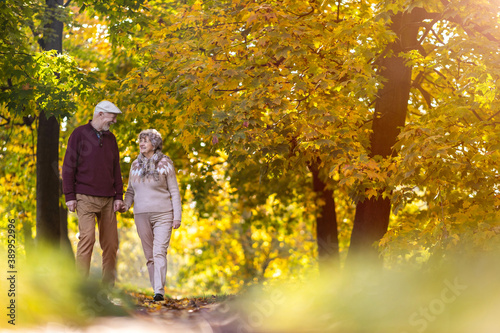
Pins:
x,y
48,220
40,83
391,105
326,222
411,26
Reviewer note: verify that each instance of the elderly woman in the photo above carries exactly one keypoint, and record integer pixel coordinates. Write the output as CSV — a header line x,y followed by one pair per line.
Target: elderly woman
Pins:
x,y
153,189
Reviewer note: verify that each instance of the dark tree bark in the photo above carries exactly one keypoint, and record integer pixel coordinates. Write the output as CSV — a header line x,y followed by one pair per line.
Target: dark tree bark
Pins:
x,y
47,180
326,224
372,215
51,226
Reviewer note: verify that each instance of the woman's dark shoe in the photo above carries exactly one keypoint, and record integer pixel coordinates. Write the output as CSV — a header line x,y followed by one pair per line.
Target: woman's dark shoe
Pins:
x,y
158,298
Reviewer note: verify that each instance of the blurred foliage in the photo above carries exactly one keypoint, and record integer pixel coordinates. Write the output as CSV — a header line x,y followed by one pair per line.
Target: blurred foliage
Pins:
x,y
18,179
247,93
33,80
47,288
458,295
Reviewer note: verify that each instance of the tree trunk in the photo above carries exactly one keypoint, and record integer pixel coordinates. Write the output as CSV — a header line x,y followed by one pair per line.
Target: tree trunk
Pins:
x,y
49,222
372,215
326,224
47,180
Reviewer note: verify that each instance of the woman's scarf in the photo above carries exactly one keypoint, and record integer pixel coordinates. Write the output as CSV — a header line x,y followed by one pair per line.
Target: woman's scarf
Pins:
x,y
149,167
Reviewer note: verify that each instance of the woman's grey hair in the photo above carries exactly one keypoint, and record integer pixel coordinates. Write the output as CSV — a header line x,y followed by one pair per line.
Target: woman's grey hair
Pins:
x,y
154,137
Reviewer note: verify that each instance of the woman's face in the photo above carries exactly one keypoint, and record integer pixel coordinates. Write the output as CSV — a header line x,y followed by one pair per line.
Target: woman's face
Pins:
x,y
146,147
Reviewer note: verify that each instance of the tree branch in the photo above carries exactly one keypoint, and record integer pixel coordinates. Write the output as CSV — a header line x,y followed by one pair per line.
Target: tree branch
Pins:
x,y
20,53
476,27
301,15
231,90
427,96
416,83
445,78
427,30
6,119
437,37
477,115
491,117
338,11
27,120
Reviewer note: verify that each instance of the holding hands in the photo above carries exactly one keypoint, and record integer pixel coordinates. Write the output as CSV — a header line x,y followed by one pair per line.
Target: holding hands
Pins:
x,y
119,206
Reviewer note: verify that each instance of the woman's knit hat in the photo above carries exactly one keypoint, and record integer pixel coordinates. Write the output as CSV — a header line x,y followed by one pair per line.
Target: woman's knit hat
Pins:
x,y
154,137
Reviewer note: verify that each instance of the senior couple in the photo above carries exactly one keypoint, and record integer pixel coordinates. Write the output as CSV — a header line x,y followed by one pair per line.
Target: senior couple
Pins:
x,y
92,185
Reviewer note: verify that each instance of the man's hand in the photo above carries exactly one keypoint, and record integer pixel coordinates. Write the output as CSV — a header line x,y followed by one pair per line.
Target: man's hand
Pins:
x,y
118,205
71,205
123,209
176,224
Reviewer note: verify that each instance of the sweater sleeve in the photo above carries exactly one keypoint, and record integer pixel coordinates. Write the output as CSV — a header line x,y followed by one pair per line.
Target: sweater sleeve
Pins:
x,y
118,184
173,188
69,168
129,195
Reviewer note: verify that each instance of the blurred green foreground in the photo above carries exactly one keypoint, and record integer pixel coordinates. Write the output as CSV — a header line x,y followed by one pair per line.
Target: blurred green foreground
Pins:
x,y
459,295
45,287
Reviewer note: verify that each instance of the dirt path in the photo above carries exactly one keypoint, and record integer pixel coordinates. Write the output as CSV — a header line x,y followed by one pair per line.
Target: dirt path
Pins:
x,y
186,315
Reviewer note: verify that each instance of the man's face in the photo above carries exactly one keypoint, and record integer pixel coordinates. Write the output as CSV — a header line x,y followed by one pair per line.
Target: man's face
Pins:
x,y
107,119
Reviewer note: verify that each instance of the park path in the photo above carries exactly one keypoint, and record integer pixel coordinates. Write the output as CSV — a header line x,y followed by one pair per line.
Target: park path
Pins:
x,y
186,315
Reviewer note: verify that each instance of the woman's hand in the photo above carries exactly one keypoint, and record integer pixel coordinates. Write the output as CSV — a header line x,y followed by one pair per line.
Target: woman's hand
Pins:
x,y
176,224
118,205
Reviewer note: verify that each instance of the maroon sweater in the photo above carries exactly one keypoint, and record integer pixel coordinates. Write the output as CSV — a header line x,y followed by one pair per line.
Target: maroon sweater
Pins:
x,y
92,168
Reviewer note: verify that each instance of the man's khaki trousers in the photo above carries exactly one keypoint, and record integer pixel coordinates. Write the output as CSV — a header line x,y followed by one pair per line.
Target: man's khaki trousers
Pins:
x,y
89,209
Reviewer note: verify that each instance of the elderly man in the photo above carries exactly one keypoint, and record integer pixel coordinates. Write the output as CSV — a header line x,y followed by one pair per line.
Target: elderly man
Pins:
x,y
92,185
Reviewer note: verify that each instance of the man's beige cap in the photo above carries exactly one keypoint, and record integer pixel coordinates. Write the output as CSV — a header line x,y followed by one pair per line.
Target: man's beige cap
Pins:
x,y
107,106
